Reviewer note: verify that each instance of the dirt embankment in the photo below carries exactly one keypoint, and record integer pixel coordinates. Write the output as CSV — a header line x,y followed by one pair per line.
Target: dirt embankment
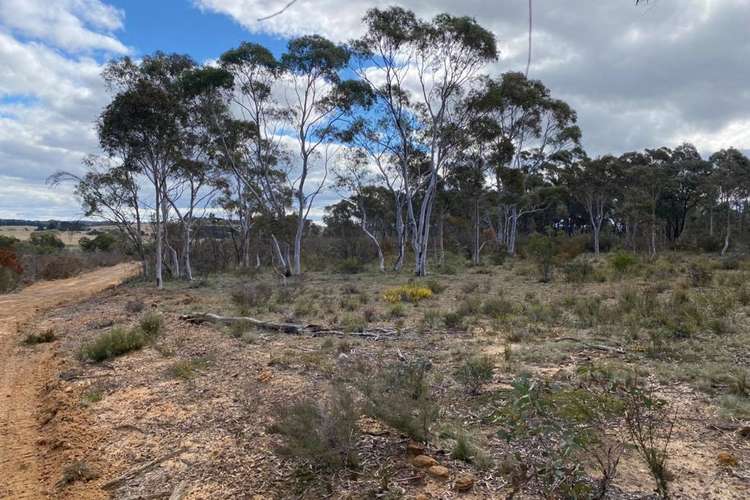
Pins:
x,y
25,374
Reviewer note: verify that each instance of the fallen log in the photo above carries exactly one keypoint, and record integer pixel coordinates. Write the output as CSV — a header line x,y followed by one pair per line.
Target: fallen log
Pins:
x,y
291,328
140,470
598,347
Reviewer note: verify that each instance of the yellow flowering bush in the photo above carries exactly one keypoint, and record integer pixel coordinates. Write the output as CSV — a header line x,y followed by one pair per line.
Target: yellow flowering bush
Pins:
x,y
407,293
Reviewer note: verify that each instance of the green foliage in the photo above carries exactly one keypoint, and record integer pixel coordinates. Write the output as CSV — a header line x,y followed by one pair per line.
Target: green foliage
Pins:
x,y
350,265
116,342
102,242
45,242
453,320
578,271
700,274
543,249
497,307
649,423
623,262
152,325
400,395
475,371
323,433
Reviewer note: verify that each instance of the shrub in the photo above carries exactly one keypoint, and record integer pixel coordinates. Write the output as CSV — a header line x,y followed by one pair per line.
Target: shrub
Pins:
x,y
8,279
578,271
151,325
700,274
103,242
44,242
543,249
397,311
113,343
475,372
407,293
61,267
430,321
77,471
321,433
466,450
40,338
187,369
435,286
251,296
453,320
134,306
622,261
570,248
497,308
351,265
649,424
400,395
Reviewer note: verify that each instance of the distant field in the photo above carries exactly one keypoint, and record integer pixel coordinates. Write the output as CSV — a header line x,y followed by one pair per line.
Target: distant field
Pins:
x,y
23,233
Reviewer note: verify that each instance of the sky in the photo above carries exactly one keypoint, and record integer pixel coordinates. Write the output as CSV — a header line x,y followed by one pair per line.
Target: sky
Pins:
x,y
660,74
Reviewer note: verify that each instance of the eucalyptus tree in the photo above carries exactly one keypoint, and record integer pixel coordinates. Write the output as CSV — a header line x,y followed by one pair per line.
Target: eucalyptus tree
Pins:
x,y
731,175
531,130
384,58
354,178
111,192
254,142
687,185
142,126
418,71
321,101
593,184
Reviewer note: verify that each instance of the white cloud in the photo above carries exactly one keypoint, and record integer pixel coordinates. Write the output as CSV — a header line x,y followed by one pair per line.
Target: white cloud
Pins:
x,y
72,25
639,76
51,92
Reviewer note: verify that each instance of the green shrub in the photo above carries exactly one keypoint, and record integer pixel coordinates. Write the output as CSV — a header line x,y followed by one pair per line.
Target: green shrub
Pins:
x,y
400,395
475,371
543,249
116,342
152,325
103,242
44,242
397,311
431,320
453,320
324,434
700,274
351,265
622,261
578,271
497,308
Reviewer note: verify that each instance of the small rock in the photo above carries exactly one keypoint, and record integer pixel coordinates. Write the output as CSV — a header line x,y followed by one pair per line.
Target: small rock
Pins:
x,y
744,432
439,471
414,448
265,376
424,461
464,482
726,458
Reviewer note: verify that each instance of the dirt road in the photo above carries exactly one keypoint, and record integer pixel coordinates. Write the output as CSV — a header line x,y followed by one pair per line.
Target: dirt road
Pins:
x,y
24,373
